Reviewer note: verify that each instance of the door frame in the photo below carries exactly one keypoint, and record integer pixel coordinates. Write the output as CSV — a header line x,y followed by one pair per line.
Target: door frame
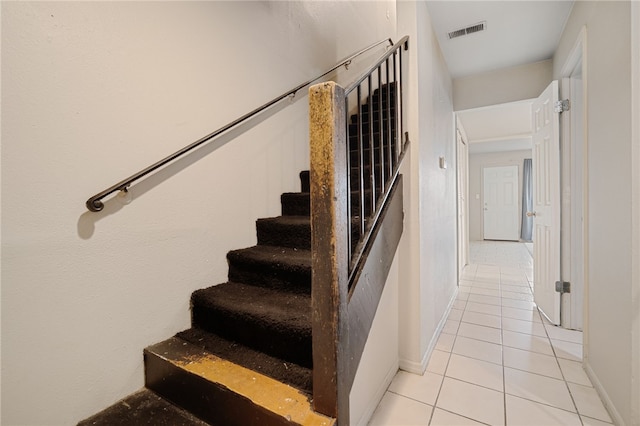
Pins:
x,y
572,186
462,192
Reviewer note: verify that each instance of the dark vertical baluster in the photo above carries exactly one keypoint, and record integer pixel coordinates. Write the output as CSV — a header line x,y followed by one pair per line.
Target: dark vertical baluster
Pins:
x,y
380,131
349,202
395,113
372,177
360,161
388,114
401,100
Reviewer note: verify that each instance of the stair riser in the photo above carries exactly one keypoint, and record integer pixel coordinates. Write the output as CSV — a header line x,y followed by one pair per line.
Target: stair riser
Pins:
x,y
280,237
255,333
299,204
271,276
207,400
270,234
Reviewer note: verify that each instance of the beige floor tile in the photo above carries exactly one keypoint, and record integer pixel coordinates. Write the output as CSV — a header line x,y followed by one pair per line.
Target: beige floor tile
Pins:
x,y
485,291
480,332
478,349
567,350
483,308
520,304
485,284
534,387
517,296
521,314
481,298
588,402
474,371
445,342
455,314
558,333
459,304
438,362
445,418
587,421
472,401
462,298
526,327
523,412
399,410
532,362
527,342
481,319
451,326
422,388
516,288
573,372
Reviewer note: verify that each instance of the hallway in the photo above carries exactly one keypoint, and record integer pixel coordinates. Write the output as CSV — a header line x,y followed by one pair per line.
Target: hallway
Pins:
x,y
497,360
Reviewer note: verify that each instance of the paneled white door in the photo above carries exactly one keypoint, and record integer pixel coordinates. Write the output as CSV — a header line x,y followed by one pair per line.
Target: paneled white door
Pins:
x,y
546,203
501,205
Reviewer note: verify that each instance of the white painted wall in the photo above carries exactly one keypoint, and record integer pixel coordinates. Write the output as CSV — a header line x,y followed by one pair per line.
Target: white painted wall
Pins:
x,y
609,356
94,91
428,246
502,86
477,162
379,362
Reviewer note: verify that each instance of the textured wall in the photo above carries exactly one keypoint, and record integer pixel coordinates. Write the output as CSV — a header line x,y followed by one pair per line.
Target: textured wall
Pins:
x,y
428,246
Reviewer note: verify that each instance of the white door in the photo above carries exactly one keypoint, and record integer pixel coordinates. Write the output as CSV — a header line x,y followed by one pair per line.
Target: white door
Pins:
x,y
546,203
501,208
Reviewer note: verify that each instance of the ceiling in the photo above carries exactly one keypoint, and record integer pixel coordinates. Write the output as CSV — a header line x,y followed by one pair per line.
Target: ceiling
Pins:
x,y
516,33
504,127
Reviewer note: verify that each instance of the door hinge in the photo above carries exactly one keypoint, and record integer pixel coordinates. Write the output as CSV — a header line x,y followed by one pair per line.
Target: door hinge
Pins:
x,y
563,286
562,105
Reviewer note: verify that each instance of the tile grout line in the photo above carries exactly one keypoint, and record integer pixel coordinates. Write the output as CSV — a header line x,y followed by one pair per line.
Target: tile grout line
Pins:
x,y
444,375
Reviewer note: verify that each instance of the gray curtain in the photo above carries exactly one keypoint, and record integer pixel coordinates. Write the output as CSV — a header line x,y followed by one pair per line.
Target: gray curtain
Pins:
x,y
526,230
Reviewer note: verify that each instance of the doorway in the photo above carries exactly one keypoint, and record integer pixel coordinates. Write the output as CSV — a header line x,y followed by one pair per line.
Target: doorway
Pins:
x,y
574,187
500,206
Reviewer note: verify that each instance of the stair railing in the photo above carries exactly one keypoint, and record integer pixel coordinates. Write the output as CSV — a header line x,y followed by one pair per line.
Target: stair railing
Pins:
x,y
355,185
95,203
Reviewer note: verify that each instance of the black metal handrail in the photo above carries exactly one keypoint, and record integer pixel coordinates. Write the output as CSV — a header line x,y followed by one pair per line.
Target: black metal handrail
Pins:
x,y
387,109
95,203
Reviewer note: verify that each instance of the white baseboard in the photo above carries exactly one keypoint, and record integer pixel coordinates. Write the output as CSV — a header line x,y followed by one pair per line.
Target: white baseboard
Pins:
x,y
608,404
373,404
420,367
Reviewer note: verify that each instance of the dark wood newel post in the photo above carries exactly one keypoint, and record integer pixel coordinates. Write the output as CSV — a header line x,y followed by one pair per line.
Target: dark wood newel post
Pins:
x,y
329,220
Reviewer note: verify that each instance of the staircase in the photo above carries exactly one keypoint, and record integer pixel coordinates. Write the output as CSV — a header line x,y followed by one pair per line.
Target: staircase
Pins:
x,y
247,359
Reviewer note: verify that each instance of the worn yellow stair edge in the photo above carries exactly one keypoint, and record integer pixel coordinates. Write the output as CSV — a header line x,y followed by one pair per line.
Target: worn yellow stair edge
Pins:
x,y
264,391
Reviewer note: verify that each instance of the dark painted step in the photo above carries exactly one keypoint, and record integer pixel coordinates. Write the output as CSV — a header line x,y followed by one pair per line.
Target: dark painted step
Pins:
x,y
143,408
276,231
283,268
277,323
286,372
299,203
305,181
222,392
285,231
295,204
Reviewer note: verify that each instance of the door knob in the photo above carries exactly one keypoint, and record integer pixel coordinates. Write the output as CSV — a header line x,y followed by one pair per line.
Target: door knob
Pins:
x,y
531,214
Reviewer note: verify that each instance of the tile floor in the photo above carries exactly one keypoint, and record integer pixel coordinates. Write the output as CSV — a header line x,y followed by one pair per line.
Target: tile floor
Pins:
x,y
497,362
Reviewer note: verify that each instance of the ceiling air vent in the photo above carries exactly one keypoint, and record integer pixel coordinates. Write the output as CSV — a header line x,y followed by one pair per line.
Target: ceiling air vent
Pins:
x,y
481,26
